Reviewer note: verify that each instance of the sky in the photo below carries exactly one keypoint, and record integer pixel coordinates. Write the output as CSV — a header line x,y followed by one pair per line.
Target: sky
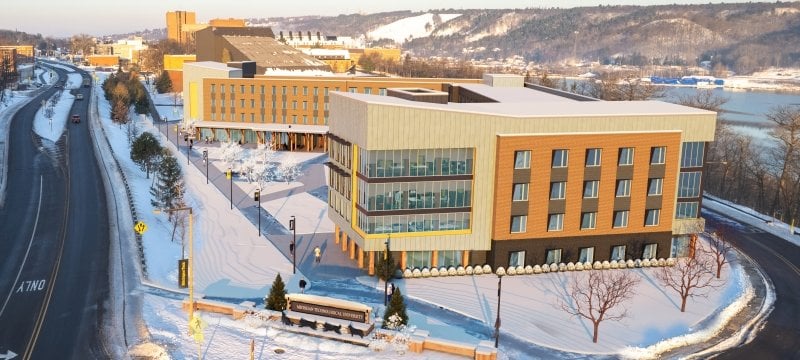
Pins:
x,y
61,18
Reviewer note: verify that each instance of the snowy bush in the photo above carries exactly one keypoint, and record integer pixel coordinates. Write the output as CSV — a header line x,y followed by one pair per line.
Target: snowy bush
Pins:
x,y
622,264
631,264
570,266
452,271
646,263
520,270
654,262
537,269
434,272
468,270
408,273
426,272
545,268
417,273
613,264
579,266
461,271
443,271
553,267
398,273
487,269
478,270
670,261
606,265
597,265
662,262
511,271
637,263
500,271
529,269
562,267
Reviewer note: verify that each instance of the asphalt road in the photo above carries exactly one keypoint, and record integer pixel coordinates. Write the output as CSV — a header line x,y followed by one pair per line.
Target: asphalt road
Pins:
x,y
780,337
54,244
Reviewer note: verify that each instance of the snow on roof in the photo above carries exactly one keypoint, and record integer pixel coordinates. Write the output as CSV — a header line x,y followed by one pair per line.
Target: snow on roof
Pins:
x,y
211,65
410,28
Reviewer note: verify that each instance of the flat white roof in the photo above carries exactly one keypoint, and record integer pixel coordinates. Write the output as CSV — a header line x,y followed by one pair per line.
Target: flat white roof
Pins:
x,y
513,94
288,128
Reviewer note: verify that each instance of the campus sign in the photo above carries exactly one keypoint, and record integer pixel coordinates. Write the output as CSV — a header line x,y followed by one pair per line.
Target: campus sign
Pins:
x,y
328,311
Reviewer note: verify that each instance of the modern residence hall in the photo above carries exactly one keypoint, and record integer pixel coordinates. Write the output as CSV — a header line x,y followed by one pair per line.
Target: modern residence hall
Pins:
x,y
511,174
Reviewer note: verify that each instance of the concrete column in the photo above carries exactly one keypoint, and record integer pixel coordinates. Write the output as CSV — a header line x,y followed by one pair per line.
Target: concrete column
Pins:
x,y
352,249
344,241
403,260
336,234
434,259
371,263
465,258
360,258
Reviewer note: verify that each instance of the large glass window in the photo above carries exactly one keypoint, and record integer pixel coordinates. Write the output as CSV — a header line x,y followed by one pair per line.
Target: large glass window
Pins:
x,y
689,184
418,259
686,210
558,190
679,246
520,192
623,188
651,217
692,154
591,189
586,255
593,157
625,156
658,154
519,223
654,186
553,256
555,222
621,219
618,252
588,220
516,258
560,158
416,162
522,159
449,258
649,251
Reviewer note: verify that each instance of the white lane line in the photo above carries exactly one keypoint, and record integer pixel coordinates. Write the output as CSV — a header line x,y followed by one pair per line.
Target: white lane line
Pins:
x,y
35,224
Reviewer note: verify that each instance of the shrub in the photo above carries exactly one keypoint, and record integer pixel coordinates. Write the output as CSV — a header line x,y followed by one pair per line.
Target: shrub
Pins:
x,y
597,265
417,273
614,264
606,265
452,271
478,270
637,263
622,264
537,269
570,266
579,267
553,267
520,270
461,271
511,271
670,261
545,268
529,269
630,263
443,271
469,270
662,262
562,267
435,272
487,269
501,271
408,273
646,263
426,272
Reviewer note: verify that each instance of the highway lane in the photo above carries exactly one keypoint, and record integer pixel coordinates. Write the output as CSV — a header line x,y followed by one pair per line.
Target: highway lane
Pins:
x,y
779,259
54,250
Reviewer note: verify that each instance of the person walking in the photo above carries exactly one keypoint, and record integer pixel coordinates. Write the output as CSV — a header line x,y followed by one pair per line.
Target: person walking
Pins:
x,y
389,292
302,286
317,254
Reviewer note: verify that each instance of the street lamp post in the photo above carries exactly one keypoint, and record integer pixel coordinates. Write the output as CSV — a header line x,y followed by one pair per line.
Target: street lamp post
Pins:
x,y
293,247
205,160
497,322
385,257
191,256
257,198
230,176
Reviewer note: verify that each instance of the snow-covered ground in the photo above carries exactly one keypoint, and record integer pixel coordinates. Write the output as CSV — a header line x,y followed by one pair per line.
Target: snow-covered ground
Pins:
x,y
409,28
233,262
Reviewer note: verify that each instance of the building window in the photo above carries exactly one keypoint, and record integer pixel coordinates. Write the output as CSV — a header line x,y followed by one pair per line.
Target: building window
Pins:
x,y
649,251
520,192
305,90
522,159
241,117
555,222
625,157
560,158
252,89
252,103
233,89
558,190
651,217
326,92
213,116
618,252
657,155
621,219
692,154
689,184
252,117
368,90
519,223
294,90
305,119
241,89
273,90
686,210
553,256
283,90
262,89
316,106
654,187
591,189
305,105
213,88
450,258
222,88
623,188
679,246
352,90
382,91
419,259
586,255
516,258
233,103
588,220
294,119
241,103
593,157
294,104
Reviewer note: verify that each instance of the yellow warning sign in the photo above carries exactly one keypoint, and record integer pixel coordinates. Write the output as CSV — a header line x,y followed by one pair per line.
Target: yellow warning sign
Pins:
x,y
196,327
140,227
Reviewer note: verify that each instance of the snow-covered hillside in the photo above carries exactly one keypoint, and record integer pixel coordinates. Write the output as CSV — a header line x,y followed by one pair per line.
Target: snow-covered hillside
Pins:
x,y
411,27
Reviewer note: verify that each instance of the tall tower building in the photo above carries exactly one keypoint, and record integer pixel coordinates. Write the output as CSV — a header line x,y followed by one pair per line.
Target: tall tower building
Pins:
x,y
176,25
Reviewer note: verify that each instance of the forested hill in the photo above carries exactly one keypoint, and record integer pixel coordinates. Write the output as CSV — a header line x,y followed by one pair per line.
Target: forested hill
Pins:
x,y
745,37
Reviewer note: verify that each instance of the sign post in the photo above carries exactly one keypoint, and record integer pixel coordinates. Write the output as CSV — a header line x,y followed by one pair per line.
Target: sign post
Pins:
x,y
183,273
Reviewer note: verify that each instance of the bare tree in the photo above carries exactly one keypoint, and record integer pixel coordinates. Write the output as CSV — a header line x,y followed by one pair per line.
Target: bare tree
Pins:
x,y
704,99
619,87
598,296
690,277
720,248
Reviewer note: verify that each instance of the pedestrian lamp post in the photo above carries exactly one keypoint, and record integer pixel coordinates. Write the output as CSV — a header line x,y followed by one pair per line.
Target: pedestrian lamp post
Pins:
x,y
497,322
191,255
293,246
257,198
188,146
176,136
229,175
164,121
205,160
386,243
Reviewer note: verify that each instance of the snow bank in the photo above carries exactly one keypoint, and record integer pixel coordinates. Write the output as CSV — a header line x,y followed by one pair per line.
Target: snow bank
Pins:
x,y
409,28
51,128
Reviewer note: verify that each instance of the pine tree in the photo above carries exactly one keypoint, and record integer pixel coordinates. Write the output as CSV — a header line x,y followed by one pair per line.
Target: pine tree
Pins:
x,y
277,295
385,269
397,307
164,83
145,152
168,188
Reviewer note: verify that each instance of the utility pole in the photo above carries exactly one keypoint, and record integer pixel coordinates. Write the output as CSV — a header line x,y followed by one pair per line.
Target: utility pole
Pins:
x,y
293,247
257,198
230,176
205,160
497,322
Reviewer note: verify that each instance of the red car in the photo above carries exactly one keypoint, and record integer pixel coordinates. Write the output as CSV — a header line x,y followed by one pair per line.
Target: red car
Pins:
x,y
75,118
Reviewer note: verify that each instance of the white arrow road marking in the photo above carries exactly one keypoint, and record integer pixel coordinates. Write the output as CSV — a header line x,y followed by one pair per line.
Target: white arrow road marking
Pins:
x,y
8,355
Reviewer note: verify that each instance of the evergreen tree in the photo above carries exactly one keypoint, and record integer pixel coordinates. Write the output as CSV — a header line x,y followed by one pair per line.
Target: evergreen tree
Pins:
x,y
164,83
277,295
385,269
397,306
145,152
168,188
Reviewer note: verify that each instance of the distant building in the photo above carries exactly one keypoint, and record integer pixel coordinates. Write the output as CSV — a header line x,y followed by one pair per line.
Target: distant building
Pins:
x,y
104,60
176,25
23,53
513,176
173,65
